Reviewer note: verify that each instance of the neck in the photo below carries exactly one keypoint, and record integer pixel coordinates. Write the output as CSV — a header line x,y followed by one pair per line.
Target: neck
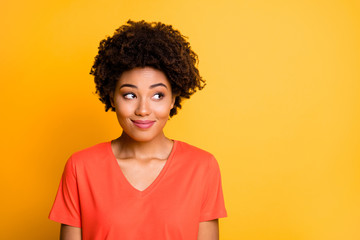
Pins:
x,y
126,147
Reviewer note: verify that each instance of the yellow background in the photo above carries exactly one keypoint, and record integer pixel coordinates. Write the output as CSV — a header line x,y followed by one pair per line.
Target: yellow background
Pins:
x,y
281,109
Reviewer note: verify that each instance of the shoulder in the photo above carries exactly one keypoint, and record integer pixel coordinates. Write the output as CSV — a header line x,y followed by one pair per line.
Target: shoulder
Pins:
x,y
198,163
194,154
184,147
90,154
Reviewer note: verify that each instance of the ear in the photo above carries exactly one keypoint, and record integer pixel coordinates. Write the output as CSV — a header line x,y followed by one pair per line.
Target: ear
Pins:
x,y
173,101
112,99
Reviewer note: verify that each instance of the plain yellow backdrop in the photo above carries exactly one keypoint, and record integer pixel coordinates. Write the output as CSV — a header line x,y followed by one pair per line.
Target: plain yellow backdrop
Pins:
x,y
281,109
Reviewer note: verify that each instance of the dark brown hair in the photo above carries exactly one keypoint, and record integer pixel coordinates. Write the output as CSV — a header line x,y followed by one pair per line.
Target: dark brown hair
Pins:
x,y
141,44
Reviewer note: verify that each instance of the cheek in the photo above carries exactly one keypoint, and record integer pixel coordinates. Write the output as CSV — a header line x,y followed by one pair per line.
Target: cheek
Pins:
x,y
123,109
162,110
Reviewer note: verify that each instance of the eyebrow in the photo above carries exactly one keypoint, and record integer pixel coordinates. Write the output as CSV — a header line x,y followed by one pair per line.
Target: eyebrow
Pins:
x,y
152,86
158,84
127,85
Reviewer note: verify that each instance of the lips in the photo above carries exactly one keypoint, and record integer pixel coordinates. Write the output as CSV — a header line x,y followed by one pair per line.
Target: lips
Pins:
x,y
143,123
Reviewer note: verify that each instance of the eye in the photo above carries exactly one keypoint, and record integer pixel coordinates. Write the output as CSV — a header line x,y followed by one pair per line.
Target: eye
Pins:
x,y
129,96
158,96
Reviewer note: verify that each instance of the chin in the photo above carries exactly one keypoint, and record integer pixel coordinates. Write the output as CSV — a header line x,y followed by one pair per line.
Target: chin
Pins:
x,y
142,137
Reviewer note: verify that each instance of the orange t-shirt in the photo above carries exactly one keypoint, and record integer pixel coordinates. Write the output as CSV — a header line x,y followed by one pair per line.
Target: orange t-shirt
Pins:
x,y
95,195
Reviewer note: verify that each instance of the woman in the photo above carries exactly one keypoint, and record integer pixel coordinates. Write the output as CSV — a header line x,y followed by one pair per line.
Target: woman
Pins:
x,y
142,185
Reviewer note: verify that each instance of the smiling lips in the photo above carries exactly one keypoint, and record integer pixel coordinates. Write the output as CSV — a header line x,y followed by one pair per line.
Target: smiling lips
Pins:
x,y
143,123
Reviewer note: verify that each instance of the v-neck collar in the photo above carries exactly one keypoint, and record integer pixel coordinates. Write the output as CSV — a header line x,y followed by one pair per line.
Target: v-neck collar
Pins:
x,y
154,183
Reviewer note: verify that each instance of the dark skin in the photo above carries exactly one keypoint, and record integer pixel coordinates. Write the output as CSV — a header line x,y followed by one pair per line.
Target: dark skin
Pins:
x,y
143,93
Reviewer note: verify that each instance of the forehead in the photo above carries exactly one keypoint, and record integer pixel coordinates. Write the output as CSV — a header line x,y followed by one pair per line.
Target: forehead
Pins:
x,y
143,77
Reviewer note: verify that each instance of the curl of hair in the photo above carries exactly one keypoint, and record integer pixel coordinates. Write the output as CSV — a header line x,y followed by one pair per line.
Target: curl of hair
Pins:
x,y
143,44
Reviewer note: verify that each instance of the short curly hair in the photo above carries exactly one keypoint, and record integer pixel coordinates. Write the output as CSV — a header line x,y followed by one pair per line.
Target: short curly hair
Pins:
x,y
143,44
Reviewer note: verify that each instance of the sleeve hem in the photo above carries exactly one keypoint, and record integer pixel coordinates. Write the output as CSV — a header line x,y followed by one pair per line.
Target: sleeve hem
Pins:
x,y
209,217
65,221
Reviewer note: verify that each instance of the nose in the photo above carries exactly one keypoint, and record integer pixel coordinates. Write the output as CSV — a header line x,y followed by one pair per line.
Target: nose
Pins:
x,y
143,108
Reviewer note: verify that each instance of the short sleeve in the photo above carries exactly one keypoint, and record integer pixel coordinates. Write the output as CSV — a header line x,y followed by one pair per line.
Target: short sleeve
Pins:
x,y
213,205
66,207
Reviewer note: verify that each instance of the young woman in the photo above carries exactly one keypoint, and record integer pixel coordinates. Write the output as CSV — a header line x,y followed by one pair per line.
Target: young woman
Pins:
x,y
142,185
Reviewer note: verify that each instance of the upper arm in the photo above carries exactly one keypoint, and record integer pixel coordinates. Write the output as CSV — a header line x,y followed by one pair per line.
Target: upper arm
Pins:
x,y
66,207
70,233
213,206
209,230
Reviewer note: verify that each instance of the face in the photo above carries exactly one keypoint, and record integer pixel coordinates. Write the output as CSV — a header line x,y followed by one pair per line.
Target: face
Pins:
x,y
142,100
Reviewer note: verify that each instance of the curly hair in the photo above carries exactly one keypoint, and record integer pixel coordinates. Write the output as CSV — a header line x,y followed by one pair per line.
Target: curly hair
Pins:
x,y
143,44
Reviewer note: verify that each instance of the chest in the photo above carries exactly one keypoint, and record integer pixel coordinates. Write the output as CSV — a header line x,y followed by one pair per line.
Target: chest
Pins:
x,y
140,174
170,204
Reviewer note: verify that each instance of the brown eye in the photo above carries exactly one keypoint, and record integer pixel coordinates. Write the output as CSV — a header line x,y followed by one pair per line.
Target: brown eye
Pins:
x,y
158,96
129,96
